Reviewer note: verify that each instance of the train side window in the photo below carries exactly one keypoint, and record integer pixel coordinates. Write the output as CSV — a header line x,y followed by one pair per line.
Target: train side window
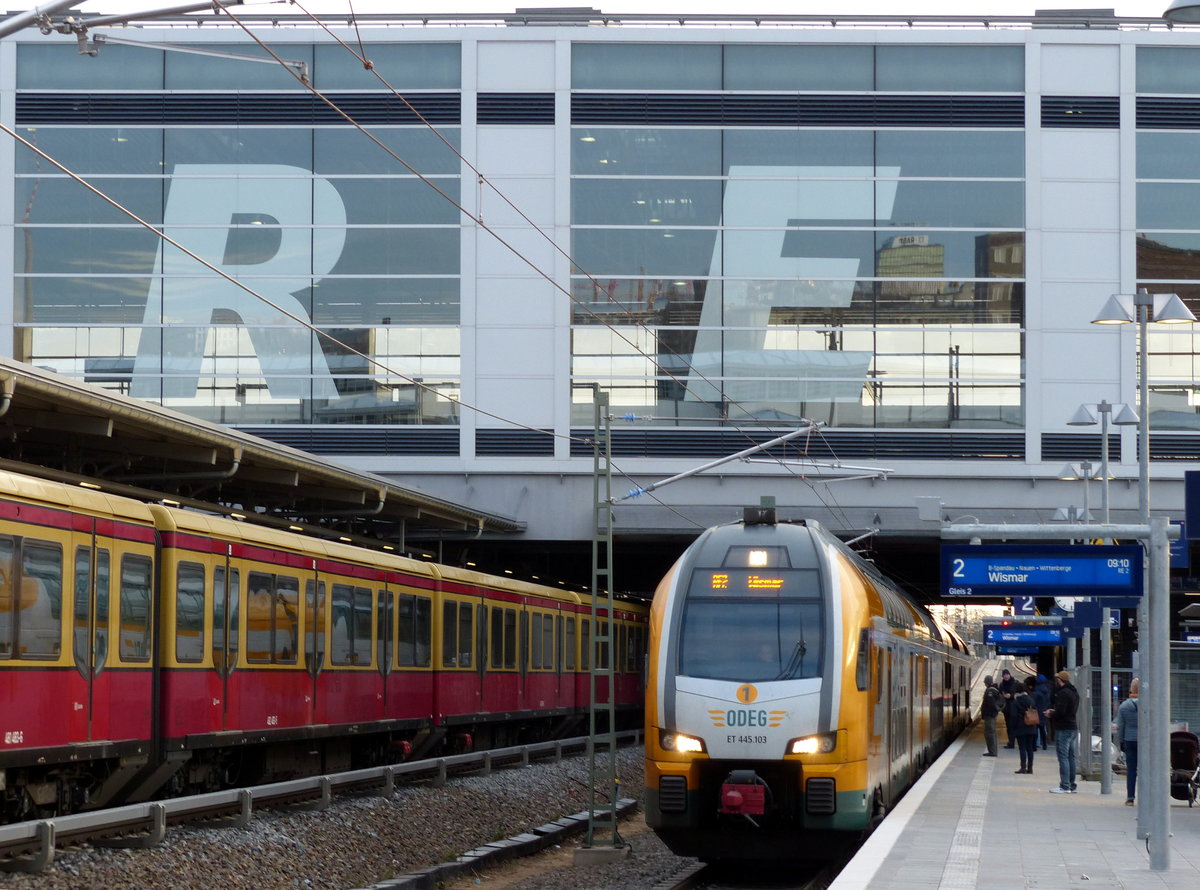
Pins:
x,y
569,645
406,631
384,640
83,606
585,645
510,638
39,625
536,655
548,642
862,667
341,645
424,627
260,597
497,638
8,614
133,614
314,631
103,576
449,634
465,635
285,636
189,612
364,625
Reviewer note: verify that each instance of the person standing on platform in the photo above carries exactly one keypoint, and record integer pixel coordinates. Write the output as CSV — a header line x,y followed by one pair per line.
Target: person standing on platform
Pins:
x,y
989,709
1062,714
1041,699
1009,689
1025,730
1127,735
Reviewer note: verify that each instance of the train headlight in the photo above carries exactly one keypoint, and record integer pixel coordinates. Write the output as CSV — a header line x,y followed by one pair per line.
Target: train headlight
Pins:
x,y
813,744
677,741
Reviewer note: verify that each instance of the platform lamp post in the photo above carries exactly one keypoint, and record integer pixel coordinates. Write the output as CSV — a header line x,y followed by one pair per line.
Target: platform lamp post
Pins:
x,y
1122,415
1154,812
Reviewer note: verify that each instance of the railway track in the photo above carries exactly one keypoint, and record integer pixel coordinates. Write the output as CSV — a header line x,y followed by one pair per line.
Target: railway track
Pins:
x,y
30,846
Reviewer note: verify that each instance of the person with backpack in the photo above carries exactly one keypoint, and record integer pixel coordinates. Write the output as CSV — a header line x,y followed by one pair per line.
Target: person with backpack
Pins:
x,y
989,710
1025,724
1127,735
1062,714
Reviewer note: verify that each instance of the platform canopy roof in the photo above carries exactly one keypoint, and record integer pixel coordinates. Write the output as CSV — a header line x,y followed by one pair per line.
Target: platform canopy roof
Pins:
x,y
59,428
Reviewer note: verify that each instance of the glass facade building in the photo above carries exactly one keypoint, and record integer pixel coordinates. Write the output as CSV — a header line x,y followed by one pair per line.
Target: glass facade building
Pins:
x,y
899,233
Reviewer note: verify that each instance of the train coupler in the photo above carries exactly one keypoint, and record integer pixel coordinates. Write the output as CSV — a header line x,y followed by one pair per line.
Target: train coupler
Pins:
x,y
744,793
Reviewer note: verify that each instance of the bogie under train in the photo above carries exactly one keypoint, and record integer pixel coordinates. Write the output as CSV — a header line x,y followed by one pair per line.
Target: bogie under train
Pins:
x,y
794,694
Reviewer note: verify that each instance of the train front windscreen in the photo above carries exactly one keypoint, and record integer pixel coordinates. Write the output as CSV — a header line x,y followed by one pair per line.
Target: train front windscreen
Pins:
x,y
752,625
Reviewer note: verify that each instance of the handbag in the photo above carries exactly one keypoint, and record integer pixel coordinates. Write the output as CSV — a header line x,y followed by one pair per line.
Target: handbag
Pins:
x,y
1032,718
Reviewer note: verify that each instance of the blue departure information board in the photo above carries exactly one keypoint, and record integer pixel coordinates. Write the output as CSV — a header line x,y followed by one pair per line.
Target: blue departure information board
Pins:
x,y
1017,635
999,570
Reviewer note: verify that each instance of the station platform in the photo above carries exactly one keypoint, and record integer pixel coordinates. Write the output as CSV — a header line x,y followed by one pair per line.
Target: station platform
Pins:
x,y
970,822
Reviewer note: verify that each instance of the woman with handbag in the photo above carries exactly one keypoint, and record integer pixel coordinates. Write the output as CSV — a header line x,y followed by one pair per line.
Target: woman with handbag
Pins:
x,y
1027,719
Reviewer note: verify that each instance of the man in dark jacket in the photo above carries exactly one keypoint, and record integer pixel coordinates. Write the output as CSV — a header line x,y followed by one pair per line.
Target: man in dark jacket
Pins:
x,y
1009,687
1066,731
989,709
1041,698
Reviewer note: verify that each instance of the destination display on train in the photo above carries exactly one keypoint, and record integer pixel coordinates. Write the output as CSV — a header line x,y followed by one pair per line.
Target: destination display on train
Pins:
x,y
766,582
1041,570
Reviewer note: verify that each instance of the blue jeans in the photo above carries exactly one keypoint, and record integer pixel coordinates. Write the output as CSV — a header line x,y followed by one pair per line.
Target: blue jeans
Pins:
x,y
1130,769
1066,745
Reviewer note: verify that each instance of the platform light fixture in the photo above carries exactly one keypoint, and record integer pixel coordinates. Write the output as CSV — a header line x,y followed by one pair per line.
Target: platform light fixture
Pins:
x,y
1154,814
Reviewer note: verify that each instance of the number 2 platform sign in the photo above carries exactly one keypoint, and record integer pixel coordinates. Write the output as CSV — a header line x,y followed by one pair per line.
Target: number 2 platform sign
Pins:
x,y
1003,570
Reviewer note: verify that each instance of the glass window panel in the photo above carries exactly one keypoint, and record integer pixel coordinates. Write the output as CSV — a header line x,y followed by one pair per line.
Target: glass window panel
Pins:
x,y
86,150
664,252
428,66
1168,205
798,148
82,618
62,200
449,634
400,252
535,653
1168,155
60,66
957,204
343,150
809,67
363,625
790,196
950,68
497,638
952,152
219,635
673,202
804,253
658,66
645,151
341,640
569,645
387,301
465,636
510,638
382,201
950,255
80,300
189,612
942,302
289,146
134,612
383,640
1168,69
102,595
73,250
260,606
406,652
286,618
424,631
189,71
1168,255
663,301
39,618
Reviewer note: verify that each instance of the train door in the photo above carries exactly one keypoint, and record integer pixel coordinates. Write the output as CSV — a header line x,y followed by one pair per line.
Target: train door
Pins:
x,y
889,722
225,631
385,604
314,637
91,622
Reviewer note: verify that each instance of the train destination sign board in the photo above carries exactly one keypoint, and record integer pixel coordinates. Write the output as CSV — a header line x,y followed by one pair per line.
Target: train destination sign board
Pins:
x,y
1016,635
997,570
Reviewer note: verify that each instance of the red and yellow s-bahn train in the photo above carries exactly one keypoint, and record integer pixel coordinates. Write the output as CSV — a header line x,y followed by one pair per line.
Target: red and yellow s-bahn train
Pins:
x,y
146,650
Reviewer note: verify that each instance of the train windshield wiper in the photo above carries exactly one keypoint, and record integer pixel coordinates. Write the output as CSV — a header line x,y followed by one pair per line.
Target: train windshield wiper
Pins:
x,y
795,661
